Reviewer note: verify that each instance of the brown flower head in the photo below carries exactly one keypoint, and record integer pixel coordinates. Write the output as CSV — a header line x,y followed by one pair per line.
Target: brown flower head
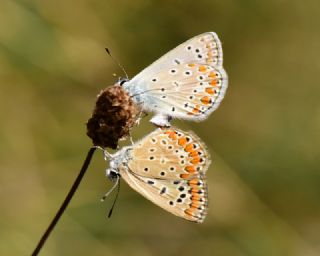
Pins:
x,y
114,115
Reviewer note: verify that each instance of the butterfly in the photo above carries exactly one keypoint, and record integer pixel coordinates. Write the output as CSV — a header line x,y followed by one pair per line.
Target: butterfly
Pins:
x,y
167,167
188,82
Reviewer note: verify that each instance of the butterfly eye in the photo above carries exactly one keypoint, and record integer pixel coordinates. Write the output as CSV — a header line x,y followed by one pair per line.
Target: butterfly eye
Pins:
x,y
122,81
113,175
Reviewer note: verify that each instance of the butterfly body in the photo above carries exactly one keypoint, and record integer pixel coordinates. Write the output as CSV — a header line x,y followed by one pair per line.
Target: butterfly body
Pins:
x,y
188,82
167,167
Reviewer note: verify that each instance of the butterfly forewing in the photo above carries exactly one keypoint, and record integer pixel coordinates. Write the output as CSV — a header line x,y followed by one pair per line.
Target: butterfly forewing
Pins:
x,y
189,82
202,49
169,154
168,167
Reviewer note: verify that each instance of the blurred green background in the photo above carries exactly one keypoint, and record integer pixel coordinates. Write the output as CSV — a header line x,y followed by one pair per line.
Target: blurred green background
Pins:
x,y
264,183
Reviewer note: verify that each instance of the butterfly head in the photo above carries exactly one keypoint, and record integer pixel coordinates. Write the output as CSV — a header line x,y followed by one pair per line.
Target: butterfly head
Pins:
x,y
117,159
122,81
113,174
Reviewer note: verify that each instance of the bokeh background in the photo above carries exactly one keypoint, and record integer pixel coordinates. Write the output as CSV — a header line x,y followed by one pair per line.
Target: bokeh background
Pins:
x,y
264,183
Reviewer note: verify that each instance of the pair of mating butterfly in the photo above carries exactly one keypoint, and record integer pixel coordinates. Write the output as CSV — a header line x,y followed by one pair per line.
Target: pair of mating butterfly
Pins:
x,y
168,166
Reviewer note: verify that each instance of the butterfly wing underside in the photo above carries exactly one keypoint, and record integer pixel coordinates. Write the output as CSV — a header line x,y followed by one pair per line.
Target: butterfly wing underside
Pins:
x,y
168,167
188,82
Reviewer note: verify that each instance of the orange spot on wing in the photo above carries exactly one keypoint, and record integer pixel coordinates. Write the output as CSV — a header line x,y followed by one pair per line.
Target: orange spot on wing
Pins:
x,y
182,141
193,182
210,90
195,160
189,212
190,169
195,204
212,74
172,135
189,147
191,65
196,109
206,100
194,191
202,68
184,176
194,153
213,82
195,197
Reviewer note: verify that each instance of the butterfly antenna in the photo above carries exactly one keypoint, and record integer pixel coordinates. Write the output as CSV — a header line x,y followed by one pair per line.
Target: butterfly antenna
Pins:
x,y
117,62
115,199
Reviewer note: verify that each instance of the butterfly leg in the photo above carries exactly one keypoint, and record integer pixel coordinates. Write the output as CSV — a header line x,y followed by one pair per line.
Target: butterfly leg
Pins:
x,y
161,120
142,114
130,137
106,154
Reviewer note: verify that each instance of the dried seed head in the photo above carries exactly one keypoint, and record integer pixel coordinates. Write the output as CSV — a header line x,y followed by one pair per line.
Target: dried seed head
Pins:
x,y
114,115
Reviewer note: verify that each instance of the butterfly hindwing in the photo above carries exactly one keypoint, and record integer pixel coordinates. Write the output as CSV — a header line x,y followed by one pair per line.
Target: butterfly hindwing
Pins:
x,y
184,198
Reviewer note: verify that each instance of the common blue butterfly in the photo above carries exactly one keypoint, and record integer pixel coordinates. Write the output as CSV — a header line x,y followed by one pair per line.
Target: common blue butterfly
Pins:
x,y
188,82
167,167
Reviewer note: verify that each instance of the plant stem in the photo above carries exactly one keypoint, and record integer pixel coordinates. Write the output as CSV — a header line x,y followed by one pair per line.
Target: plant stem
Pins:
x,y
65,202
